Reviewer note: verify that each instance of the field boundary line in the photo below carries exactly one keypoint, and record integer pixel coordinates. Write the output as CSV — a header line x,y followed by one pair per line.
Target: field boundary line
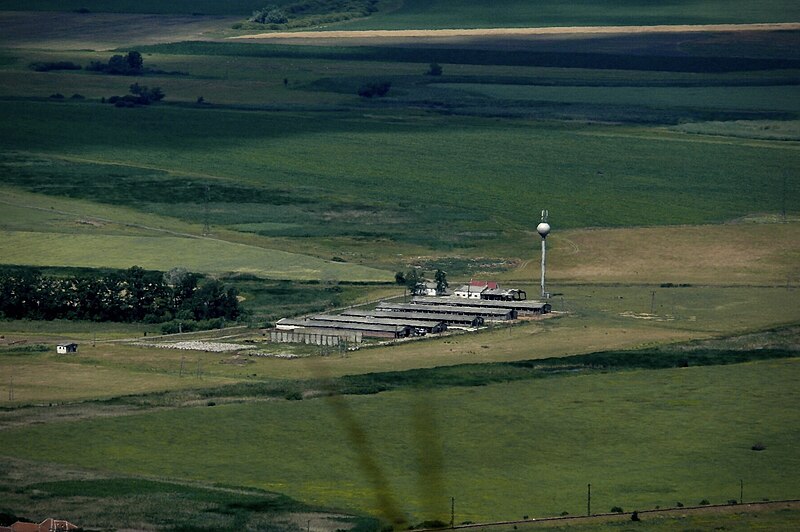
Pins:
x,y
606,516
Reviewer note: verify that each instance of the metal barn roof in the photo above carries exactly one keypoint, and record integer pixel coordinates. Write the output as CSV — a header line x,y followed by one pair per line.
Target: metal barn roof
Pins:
x,y
460,319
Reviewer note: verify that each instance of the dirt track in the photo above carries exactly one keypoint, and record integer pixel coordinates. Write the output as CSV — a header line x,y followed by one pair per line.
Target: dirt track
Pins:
x,y
517,32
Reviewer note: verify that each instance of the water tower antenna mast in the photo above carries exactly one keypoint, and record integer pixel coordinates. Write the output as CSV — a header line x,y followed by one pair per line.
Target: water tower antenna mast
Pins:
x,y
543,229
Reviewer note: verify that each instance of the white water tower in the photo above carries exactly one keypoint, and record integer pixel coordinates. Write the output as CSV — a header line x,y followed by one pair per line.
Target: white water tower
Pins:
x,y
543,229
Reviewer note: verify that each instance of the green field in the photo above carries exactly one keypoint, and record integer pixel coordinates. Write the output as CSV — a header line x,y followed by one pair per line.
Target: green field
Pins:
x,y
159,253
595,175
522,13
502,451
474,13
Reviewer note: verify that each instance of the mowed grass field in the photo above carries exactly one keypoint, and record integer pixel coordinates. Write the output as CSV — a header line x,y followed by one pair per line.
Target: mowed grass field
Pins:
x,y
162,253
641,438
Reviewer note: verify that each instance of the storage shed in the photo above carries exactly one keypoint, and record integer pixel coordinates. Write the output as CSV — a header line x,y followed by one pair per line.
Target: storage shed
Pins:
x,y
63,349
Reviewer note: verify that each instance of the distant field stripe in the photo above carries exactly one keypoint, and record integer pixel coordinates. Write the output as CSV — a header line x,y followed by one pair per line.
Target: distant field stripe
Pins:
x,y
776,98
494,32
163,253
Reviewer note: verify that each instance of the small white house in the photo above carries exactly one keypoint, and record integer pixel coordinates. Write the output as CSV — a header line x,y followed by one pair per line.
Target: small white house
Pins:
x,y
63,349
427,289
475,289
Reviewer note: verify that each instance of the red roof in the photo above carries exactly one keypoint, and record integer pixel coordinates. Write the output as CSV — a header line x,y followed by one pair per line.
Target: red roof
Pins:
x,y
489,284
48,525
19,526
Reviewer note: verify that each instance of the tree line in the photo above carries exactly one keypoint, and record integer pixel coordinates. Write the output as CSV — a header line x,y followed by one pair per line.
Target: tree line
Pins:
x,y
132,295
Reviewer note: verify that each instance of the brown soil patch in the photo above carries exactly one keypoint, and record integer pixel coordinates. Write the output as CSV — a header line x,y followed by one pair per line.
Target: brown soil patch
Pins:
x,y
744,253
104,31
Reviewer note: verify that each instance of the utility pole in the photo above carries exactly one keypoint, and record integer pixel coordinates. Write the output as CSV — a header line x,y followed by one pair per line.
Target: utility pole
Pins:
x,y
653,302
11,389
741,491
783,203
589,500
206,225
452,512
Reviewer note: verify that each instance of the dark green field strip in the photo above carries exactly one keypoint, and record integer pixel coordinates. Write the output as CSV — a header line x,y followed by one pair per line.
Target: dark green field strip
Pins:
x,y
469,13
480,57
208,7
227,499
522,13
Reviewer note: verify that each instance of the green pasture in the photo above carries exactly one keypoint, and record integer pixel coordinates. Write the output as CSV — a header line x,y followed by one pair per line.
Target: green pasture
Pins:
x,y
207,7
99,501
522,13
641,438
472,13
203,255
330,171
775,98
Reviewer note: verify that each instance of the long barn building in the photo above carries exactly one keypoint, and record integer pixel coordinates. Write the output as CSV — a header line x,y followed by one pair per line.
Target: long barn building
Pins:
x,y
523,308
457,320
366,330
423,325
487,313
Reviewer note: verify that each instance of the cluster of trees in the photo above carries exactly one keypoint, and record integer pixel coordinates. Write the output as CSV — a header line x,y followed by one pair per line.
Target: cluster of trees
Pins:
x,y
413,278
371,90
307,13
140,95
434,69
130,64
269,15
132,295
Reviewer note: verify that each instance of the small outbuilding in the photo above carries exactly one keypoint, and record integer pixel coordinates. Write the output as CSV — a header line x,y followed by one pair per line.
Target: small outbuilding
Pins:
x,y
63,349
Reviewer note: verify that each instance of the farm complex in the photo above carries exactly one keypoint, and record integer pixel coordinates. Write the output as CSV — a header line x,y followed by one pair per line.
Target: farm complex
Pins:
x,y
423,315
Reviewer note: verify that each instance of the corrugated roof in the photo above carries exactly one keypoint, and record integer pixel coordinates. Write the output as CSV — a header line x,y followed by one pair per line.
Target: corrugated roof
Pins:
x,y
376,320
335,325
448,309
460,301
424,316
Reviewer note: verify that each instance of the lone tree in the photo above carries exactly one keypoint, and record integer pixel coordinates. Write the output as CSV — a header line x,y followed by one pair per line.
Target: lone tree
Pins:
x,y
441,281
378,89
435,69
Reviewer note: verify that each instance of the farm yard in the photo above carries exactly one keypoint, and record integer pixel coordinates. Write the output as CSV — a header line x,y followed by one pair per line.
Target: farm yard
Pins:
x,y
299,172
